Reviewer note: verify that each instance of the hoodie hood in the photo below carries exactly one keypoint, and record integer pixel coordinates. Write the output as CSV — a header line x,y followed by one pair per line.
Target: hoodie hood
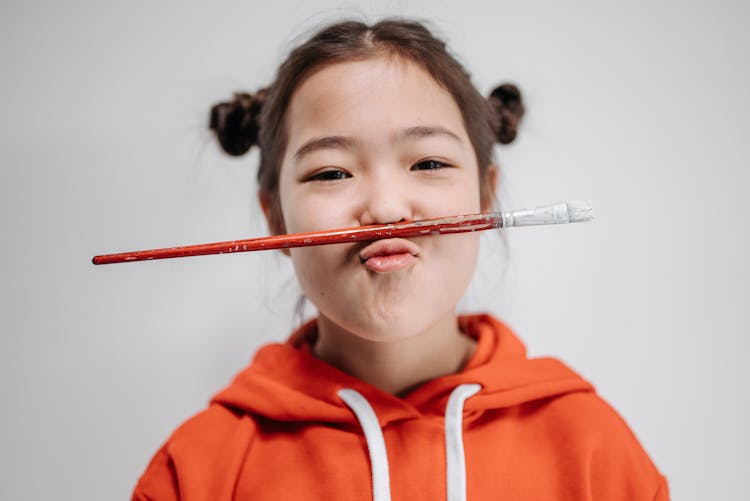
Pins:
x,y
457,437
286,382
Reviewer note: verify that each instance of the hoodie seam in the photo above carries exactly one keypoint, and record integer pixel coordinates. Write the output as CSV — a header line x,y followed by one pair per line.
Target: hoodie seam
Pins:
x,y
246,453
661,488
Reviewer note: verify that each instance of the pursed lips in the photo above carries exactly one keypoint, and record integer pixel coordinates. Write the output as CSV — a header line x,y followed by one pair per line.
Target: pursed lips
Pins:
x,y
391,254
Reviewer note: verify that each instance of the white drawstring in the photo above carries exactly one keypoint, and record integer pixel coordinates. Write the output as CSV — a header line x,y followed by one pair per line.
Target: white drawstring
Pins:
x,y
454,442
381,482
454,445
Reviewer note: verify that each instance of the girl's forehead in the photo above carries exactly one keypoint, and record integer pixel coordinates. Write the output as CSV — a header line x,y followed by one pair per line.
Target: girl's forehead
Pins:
x,y
385,91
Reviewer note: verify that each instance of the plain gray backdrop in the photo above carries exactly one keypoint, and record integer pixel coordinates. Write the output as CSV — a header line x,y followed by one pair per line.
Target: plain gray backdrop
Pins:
x,y
641,107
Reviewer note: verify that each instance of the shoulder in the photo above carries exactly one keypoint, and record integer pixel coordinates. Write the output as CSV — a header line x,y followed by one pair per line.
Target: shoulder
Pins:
x,y
202,454
215,427
588,416
615,460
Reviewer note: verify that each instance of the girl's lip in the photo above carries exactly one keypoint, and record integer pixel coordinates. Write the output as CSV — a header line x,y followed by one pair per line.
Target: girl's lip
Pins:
x,y
390,254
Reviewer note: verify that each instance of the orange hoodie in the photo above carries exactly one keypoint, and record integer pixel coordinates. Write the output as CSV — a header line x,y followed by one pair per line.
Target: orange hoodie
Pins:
x,y
506,427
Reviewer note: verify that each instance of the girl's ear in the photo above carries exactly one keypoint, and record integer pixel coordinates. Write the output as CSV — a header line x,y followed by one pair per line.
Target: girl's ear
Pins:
x,y
489,191
265,205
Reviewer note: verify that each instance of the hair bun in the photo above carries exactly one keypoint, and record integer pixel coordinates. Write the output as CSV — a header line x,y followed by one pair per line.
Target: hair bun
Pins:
x,y
508,109
236,122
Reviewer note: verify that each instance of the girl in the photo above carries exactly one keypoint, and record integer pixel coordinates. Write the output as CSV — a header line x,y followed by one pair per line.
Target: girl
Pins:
x,y
388,394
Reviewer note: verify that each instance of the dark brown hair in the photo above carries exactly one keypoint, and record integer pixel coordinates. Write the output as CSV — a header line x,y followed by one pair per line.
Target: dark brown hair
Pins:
x,y
259,119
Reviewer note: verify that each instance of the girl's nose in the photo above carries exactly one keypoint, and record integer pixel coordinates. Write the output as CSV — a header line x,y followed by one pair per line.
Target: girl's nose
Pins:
x,y
385,201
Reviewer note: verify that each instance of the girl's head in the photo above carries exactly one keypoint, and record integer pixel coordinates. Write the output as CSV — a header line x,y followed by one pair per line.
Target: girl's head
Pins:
x,y
261,118
367,125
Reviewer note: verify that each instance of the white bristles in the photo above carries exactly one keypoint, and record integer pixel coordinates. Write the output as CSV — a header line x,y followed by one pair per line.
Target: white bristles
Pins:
x,y
579,211
559,213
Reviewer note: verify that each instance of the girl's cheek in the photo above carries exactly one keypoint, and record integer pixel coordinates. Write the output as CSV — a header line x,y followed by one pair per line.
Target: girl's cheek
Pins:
x,y
300,211
313,209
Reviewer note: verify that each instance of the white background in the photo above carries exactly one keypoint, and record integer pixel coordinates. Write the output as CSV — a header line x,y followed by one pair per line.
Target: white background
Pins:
x,y
641,107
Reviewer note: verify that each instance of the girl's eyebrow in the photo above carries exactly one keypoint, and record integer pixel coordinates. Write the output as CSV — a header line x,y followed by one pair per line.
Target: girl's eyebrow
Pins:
x,y
349,143
421,131
322,143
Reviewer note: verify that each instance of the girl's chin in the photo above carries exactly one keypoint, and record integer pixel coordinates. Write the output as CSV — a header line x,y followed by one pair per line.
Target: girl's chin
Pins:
x,y
395,324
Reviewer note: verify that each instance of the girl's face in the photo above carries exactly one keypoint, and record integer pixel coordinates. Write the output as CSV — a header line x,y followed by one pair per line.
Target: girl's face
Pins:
x,y
379,141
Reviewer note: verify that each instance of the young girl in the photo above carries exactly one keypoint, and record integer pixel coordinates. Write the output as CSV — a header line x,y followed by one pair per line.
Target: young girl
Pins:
x,y
389,394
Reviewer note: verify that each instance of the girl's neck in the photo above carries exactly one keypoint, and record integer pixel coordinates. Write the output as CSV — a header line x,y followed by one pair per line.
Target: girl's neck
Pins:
x,y
395,366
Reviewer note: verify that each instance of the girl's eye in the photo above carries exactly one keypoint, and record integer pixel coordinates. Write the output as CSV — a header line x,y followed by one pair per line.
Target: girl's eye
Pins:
x,y
429,165
329,175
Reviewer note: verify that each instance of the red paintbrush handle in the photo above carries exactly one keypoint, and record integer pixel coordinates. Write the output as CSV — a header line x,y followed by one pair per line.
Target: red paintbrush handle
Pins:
x,y
456,224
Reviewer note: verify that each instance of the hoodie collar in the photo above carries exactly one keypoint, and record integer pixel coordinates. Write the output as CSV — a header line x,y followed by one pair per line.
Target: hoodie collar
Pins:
x,y
286,382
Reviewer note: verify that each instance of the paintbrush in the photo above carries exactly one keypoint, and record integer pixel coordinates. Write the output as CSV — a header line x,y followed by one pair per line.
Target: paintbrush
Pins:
x,y
563,212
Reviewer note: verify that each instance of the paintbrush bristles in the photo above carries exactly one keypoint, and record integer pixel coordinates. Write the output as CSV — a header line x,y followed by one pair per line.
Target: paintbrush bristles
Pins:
x,y
559,213
579,211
